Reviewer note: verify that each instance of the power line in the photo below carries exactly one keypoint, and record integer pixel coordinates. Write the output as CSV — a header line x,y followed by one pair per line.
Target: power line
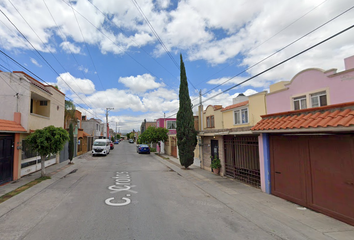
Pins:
x,y
298,39
93,63
158,38
93,113
276,65
41,57
131,39
43,43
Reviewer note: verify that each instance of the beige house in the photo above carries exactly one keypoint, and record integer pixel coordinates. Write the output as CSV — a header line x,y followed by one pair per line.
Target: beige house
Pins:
x,y
36,106
226,135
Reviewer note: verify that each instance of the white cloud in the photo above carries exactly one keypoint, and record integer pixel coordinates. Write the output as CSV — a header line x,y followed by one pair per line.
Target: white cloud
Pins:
x,y
82,68
70,48
80,86
140,83
35,62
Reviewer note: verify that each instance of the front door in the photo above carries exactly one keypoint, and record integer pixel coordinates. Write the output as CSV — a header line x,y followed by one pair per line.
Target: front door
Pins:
x,y
214,148
6,158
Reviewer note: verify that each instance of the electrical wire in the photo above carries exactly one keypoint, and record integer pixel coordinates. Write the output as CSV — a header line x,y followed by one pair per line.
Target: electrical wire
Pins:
x,y
158,38
41,57
278,64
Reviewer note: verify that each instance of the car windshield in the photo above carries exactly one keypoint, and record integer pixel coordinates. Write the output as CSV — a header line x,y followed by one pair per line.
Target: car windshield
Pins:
x,y
99,144
143,145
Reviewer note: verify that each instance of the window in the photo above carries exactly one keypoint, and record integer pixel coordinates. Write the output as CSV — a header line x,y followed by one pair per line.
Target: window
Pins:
x,y
319,99
43,103
210,122
171,124
300,103
241,116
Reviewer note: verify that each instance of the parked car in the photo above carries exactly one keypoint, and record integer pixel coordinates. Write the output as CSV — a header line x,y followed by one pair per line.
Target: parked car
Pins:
x,y
116,141
111,145
131,141
100,147
143,148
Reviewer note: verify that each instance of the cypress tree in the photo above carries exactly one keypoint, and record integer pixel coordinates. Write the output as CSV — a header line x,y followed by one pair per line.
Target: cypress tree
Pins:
x,y
71,142
186,134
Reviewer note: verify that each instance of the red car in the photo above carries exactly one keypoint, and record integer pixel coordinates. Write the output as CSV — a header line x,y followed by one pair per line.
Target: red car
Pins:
x,y
112,145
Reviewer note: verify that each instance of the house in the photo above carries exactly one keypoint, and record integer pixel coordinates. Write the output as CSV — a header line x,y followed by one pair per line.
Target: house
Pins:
x,y
30,105
145,125
93,126
83,141
306,141
170,146
228,136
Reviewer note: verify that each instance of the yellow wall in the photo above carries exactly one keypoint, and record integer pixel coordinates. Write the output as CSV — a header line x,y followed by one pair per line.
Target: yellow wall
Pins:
x,y
277,86
218,118
257,107
55,110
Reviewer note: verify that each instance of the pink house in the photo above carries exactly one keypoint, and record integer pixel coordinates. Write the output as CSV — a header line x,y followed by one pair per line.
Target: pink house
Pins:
x,y
306,141
313,88
170,146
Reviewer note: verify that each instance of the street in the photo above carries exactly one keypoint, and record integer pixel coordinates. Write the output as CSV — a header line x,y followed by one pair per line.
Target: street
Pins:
x,y
125,195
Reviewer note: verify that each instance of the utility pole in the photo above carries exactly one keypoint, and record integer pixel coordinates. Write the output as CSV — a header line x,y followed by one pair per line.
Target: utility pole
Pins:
x,y
200,111
107,131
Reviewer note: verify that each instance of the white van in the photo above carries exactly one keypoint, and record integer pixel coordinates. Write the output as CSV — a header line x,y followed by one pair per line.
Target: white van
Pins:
x,y
101,147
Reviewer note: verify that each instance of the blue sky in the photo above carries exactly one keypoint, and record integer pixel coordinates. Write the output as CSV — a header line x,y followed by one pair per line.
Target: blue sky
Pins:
x,y
110,57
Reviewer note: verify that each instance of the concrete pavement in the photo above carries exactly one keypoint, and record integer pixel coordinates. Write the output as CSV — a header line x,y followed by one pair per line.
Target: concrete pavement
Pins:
x,y
278,217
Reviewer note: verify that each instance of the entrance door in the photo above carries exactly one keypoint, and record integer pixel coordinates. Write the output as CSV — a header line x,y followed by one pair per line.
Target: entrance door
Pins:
x,y
6,158
214,148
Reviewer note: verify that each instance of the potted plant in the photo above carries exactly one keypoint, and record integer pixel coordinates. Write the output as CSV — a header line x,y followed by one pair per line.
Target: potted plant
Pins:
x,y
215,164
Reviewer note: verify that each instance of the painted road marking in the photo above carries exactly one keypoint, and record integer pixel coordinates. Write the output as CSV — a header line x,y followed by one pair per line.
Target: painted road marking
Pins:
x,y
122,183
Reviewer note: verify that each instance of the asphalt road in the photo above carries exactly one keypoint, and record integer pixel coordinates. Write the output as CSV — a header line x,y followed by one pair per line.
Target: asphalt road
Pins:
x,y
125,195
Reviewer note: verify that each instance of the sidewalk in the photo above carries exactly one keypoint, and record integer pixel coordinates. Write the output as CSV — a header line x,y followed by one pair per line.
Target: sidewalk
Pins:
x,y
283,219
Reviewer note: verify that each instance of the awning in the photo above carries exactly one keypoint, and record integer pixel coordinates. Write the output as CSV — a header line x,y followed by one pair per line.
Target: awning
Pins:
x,y
11,127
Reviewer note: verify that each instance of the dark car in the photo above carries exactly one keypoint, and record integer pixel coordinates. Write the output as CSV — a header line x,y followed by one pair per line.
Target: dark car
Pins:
x,y
116,142
143,148
112,145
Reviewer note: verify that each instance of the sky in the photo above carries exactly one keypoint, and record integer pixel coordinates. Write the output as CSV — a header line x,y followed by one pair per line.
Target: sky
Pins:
x,y
125,54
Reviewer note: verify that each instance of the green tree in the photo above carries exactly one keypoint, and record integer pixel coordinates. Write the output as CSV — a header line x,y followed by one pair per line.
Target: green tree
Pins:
x,y
46,141
71,142
186,134
153,135
118,136
112,139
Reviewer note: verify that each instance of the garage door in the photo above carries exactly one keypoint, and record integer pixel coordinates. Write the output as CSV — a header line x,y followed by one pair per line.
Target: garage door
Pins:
x,y
316,172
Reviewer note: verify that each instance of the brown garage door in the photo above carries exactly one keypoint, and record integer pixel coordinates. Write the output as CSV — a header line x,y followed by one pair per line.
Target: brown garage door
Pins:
x,y
316,172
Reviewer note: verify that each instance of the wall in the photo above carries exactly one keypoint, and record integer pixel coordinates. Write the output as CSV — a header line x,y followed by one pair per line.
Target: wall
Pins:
x,y
21,104
57,108
257,107
218,117
206,153
339,88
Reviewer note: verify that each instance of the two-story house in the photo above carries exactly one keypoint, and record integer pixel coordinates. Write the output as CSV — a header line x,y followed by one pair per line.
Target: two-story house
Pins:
x,y
306,141
28,105
170,146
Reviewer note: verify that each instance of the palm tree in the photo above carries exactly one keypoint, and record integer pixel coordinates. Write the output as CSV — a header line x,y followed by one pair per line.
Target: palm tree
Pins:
x,y
69,114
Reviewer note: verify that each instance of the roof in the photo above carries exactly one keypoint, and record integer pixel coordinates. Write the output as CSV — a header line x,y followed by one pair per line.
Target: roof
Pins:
x,y
235,106
85,134
11,126
39,84
339,115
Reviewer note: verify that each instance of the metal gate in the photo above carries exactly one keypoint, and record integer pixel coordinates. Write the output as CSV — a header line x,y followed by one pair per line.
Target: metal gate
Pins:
x,y
242,159
64,153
